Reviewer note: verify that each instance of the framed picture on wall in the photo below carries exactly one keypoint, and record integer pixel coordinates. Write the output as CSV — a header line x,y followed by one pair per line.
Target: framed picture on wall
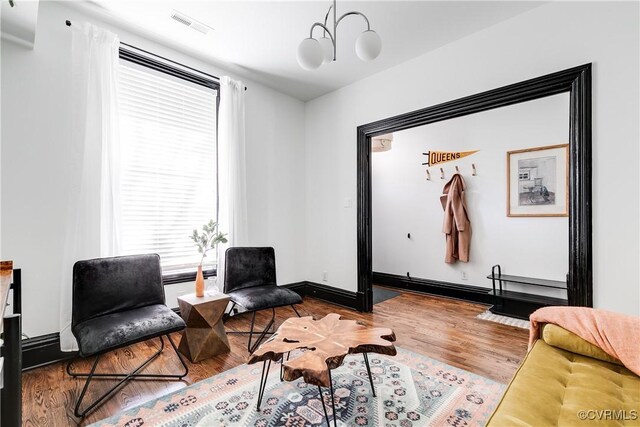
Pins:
x,y
538,181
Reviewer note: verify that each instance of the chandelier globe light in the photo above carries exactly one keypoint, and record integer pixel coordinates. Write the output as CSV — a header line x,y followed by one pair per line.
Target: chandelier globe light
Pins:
x,y
327,49
310,55
314,52
368,45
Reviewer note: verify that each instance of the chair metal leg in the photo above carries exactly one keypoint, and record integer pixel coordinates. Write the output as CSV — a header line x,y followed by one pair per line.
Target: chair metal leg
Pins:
x,y
182,362
153,357
366,362
266,365
76,410
294,309
125,377
252,347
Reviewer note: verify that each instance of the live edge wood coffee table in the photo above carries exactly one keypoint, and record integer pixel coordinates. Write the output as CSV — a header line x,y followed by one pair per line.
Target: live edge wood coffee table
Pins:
x,y
327,341
204,336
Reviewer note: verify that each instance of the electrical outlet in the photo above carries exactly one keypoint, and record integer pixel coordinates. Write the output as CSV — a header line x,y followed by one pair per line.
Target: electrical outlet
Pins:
x,y
325,276
464,275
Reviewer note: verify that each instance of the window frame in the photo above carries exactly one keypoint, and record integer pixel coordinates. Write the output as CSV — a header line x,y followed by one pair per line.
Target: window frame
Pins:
x,y
157,64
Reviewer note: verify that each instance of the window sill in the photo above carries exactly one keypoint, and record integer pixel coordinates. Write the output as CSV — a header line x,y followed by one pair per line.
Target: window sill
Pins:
x,y
172,279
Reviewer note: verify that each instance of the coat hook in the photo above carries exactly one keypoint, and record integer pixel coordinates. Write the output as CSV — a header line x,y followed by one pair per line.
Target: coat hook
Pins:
x,y
441,173
428,175
473,166
457,170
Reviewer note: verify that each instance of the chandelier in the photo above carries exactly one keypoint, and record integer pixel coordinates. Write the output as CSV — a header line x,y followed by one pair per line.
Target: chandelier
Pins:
x,y
314,52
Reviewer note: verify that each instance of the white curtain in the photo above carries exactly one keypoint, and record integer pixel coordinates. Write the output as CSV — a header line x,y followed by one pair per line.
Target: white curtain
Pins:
x,y
92,228
232,197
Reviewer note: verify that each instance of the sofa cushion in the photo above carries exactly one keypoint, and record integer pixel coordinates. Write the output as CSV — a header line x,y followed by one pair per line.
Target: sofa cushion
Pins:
x,y
116,330
553,385
559,337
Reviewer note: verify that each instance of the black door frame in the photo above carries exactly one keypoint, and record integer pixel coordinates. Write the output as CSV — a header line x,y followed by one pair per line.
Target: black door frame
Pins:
x,y
576,81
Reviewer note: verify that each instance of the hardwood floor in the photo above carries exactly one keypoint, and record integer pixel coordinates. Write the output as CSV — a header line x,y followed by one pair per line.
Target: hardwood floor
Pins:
x,y
440,328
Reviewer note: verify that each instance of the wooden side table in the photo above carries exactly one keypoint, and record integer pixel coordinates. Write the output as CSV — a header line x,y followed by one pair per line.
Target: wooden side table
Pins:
x,y
204,336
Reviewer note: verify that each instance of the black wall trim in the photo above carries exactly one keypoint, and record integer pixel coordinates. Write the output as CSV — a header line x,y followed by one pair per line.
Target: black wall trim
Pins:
x,y
43,350
576,81
299,287
327,293
333,295
434,287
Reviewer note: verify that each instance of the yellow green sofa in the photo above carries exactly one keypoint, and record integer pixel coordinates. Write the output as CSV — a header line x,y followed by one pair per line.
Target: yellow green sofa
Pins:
x,y
566,381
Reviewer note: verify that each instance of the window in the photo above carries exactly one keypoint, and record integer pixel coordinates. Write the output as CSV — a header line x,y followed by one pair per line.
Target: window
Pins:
x,y
169,177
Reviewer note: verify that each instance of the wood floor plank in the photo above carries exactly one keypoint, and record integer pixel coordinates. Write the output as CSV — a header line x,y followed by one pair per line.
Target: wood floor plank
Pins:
x,y
443,329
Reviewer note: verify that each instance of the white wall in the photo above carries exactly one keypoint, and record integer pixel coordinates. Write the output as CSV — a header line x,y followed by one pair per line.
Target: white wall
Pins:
x,y
404,201
36,129
544,40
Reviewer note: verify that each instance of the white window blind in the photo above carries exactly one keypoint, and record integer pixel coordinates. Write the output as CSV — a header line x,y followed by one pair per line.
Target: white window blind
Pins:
x,y
169,180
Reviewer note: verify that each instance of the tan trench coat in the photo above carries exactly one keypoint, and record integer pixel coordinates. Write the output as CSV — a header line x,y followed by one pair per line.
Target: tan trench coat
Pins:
x,y
456,225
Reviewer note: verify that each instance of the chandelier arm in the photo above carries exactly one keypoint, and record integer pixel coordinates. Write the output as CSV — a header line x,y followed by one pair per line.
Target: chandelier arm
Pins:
x,y
354,13
327,17
318,24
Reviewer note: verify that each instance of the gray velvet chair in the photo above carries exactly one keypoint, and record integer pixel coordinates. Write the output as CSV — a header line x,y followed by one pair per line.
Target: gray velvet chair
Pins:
x,y
250,282
117,302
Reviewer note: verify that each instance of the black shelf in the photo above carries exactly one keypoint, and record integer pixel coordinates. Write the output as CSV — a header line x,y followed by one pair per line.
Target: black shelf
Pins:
x,y
521,304
530,298
555,284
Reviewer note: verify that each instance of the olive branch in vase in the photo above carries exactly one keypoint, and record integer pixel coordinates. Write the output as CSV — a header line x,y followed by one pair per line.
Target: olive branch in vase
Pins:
x,y
209,239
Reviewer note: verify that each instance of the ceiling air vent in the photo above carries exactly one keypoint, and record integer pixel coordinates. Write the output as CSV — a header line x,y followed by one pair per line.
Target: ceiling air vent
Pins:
x,y
190,22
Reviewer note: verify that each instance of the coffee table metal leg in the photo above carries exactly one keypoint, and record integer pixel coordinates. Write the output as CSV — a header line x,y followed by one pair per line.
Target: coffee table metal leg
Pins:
x,y
282,365
263,381
333,405
366,362
326,415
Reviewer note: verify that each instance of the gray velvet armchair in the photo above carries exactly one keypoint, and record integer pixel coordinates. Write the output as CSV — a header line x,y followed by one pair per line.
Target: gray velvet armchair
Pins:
x,y
250,282
117,302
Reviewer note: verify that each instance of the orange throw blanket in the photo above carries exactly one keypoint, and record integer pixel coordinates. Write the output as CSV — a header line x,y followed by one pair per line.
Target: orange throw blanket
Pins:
x,y
616,334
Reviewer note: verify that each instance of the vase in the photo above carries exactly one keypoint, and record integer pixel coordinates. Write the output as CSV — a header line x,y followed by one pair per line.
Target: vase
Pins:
x,y
199,282
212,286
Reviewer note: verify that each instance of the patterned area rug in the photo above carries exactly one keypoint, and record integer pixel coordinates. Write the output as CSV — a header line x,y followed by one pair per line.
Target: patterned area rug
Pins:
x,y
505,320
412,390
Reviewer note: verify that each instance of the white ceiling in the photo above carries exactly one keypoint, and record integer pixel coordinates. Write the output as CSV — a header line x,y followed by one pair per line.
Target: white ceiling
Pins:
x,y
258,39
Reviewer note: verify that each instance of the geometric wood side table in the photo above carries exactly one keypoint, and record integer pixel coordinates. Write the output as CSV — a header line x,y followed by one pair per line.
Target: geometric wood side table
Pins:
x,y
204,336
